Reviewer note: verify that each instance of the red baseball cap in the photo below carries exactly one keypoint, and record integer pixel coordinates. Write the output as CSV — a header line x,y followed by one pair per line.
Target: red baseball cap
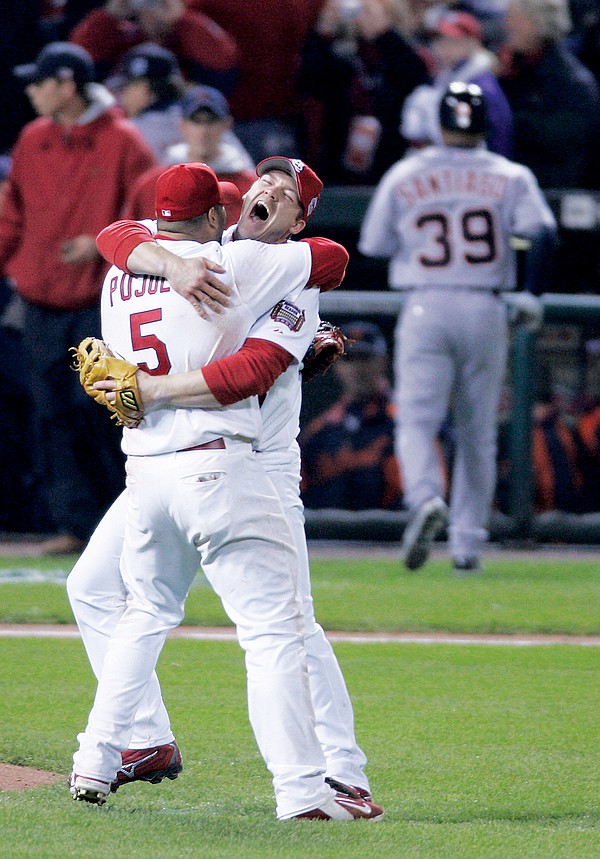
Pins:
x,y
307,182
459,25
185,191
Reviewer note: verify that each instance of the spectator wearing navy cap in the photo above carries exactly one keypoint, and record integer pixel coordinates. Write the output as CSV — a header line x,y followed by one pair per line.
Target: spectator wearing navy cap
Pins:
x,y
149,87
458,55
208,131
70,168
205,124
348,459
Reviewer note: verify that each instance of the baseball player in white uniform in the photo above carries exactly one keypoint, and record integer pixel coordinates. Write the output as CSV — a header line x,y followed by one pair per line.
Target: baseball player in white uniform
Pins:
x,y
152,724
445,217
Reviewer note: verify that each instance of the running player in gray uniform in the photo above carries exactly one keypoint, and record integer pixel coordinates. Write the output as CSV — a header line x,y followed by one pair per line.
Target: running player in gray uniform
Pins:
x,y
447,218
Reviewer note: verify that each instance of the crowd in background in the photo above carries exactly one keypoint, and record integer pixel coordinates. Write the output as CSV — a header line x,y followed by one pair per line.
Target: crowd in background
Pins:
x,y
350,86
329,80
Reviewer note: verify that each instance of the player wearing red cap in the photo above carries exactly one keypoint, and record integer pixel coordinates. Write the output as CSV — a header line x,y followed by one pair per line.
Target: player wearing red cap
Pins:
x,y
295,796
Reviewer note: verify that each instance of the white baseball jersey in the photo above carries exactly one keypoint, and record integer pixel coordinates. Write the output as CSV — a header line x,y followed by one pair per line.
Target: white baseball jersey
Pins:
x,y
292,325
280,409
445,217
140,315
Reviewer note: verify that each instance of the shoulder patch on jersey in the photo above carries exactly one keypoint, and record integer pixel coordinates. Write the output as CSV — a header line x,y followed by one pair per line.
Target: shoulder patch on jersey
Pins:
x,y
289,315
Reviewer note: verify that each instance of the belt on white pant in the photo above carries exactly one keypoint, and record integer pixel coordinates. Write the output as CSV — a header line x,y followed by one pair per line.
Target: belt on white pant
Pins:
x,y
215,444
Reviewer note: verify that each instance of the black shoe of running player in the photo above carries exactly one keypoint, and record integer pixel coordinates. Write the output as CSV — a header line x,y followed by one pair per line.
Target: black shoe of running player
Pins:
x,y
429,520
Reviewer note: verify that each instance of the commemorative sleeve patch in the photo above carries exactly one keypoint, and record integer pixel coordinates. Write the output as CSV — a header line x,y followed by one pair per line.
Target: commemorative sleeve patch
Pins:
x,y
288,314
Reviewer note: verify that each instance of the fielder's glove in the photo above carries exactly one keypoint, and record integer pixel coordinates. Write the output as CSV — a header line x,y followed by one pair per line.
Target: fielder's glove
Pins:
x,y
329,344
526,309
95,362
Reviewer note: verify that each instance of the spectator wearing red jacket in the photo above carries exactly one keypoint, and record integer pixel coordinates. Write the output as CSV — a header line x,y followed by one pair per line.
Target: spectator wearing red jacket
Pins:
x,y
70,171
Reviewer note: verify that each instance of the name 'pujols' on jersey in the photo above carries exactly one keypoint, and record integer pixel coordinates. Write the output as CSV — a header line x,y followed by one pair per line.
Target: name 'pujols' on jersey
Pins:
x,y
126,286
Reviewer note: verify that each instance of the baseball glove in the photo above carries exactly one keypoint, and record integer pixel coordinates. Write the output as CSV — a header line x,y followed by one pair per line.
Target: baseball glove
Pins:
x,y
329,344
95,362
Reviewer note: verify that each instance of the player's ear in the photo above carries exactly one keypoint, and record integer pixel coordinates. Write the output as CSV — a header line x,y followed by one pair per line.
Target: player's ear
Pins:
x,y
298,227
216,216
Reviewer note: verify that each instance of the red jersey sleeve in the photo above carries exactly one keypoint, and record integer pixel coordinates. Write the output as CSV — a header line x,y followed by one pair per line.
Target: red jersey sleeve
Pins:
x,y
117,241
250,371
329,261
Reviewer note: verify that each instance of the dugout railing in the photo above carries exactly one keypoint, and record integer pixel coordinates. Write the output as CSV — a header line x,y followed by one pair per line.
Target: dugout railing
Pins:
x,y
578,214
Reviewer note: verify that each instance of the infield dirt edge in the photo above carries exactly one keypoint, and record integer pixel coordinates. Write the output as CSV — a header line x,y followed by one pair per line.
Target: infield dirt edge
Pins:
x,y
13,777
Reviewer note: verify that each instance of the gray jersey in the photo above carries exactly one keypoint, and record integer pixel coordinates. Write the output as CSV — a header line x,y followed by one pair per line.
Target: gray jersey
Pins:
x,y
445,217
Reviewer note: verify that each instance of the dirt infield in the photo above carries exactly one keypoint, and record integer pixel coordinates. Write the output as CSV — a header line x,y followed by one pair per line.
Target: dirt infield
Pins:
x,y
227,633
25,778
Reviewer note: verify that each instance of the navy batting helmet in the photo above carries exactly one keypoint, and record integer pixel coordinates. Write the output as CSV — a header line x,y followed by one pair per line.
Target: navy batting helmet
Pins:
x,y
462,108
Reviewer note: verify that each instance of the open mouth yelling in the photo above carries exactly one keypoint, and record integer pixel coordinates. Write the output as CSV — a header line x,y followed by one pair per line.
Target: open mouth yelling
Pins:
x,y
260,211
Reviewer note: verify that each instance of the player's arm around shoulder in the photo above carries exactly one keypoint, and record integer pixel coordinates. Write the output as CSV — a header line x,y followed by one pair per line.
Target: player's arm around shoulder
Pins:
x,y
265,273
118,240
132,247
329,262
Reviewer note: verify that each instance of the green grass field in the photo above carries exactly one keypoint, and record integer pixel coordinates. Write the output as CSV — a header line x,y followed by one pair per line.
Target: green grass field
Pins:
x,y
475,751
537,596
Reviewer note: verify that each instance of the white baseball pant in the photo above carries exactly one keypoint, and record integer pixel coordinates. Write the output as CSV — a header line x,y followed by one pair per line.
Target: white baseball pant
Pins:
x,y
331,702
218,507
97,598
451,349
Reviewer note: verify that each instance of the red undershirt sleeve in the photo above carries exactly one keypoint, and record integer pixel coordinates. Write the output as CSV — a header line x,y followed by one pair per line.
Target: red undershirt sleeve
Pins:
x,y
329,261
117,241
250,371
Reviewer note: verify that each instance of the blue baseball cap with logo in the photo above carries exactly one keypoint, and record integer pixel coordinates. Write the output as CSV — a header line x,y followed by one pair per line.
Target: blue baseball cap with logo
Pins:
x,y
204,98
147,60
60,60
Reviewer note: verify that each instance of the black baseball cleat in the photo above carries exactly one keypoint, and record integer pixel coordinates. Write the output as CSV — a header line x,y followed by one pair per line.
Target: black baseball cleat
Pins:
x,y
429,520
152,765
470,565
